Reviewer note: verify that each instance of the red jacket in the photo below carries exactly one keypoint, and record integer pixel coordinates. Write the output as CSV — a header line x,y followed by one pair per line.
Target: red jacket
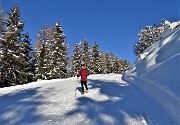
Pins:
x,y
83,73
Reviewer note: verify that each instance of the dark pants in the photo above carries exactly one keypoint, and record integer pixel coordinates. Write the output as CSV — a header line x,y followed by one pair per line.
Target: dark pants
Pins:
x,y
84,83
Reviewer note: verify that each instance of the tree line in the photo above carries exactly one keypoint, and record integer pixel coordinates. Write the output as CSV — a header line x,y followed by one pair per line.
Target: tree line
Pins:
x,y
95,60
21,63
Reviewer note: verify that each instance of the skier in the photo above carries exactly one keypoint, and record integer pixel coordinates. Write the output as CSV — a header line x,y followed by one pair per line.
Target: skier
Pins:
x,y
83,73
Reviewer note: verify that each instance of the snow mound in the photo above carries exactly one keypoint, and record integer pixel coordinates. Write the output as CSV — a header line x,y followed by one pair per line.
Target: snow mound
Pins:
x,y
157,71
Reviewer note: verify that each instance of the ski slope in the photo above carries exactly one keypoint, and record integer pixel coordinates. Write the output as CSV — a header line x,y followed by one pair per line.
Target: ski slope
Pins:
x,y
110,101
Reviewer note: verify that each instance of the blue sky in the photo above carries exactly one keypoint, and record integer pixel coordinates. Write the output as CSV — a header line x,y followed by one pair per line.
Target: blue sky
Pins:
x,y
113,24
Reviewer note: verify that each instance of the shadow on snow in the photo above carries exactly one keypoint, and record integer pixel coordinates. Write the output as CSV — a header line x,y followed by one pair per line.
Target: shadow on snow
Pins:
x,y
20,107
114,110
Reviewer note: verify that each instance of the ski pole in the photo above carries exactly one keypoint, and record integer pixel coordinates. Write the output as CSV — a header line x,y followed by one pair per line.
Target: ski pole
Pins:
x,y
75,89
76,85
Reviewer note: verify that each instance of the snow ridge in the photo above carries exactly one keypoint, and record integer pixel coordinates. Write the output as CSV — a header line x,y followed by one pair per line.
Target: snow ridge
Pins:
x,y
156,73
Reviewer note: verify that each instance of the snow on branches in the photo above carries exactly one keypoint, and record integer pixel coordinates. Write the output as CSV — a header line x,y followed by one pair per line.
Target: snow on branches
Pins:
x,y
150,35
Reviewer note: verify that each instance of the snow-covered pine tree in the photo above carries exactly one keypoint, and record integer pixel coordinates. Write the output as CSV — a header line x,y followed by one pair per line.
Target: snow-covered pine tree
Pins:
x,y
96,62
58,53
76,59
2,48
41,54
69,67
148,36
157,33
103,63
86,57
26,56
109,61
124,65
145,40
33,67
11,70
116,66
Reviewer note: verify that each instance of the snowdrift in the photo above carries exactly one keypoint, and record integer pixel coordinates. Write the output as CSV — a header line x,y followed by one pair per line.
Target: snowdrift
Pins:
x,y
157,71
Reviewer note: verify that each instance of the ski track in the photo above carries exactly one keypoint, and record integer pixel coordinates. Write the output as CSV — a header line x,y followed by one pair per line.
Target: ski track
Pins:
x,y
110,101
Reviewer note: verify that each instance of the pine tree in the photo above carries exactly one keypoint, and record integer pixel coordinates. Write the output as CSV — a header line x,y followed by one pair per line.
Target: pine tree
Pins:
x,y
124,65
11,72
148,36
41,55
58,53
103,63
116,66
76,58
26,57
69,67
86,57
110,61
2,52
145,40
96,63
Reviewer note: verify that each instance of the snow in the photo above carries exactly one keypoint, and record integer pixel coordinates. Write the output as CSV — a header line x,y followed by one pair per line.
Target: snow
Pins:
x,y
2,39
110,101
148,94
157,73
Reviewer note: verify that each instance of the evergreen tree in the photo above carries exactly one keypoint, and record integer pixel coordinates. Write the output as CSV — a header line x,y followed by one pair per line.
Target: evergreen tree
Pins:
x,y
69,67
41,54
76,59
125,65
26,56
33,67
145,40
103,63
11,73
116,66
96,63
86,57
148,36
110,61
2,51
58,53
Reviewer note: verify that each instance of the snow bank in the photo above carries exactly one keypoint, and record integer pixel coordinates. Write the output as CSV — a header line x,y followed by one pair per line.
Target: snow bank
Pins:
x,y
157,71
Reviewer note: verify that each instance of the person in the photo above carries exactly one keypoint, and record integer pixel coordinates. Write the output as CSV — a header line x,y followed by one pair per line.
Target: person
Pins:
x,y
83,73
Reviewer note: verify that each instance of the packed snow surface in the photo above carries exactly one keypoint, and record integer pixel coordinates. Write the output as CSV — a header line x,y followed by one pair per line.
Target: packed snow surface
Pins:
x,y
110,101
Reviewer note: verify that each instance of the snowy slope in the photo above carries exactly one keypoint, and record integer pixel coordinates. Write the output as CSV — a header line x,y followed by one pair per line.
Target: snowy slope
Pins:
x,y
157,72
110,101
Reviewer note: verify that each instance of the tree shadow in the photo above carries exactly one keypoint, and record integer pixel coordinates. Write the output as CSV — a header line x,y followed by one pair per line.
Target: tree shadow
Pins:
x,y
116,109
20,108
